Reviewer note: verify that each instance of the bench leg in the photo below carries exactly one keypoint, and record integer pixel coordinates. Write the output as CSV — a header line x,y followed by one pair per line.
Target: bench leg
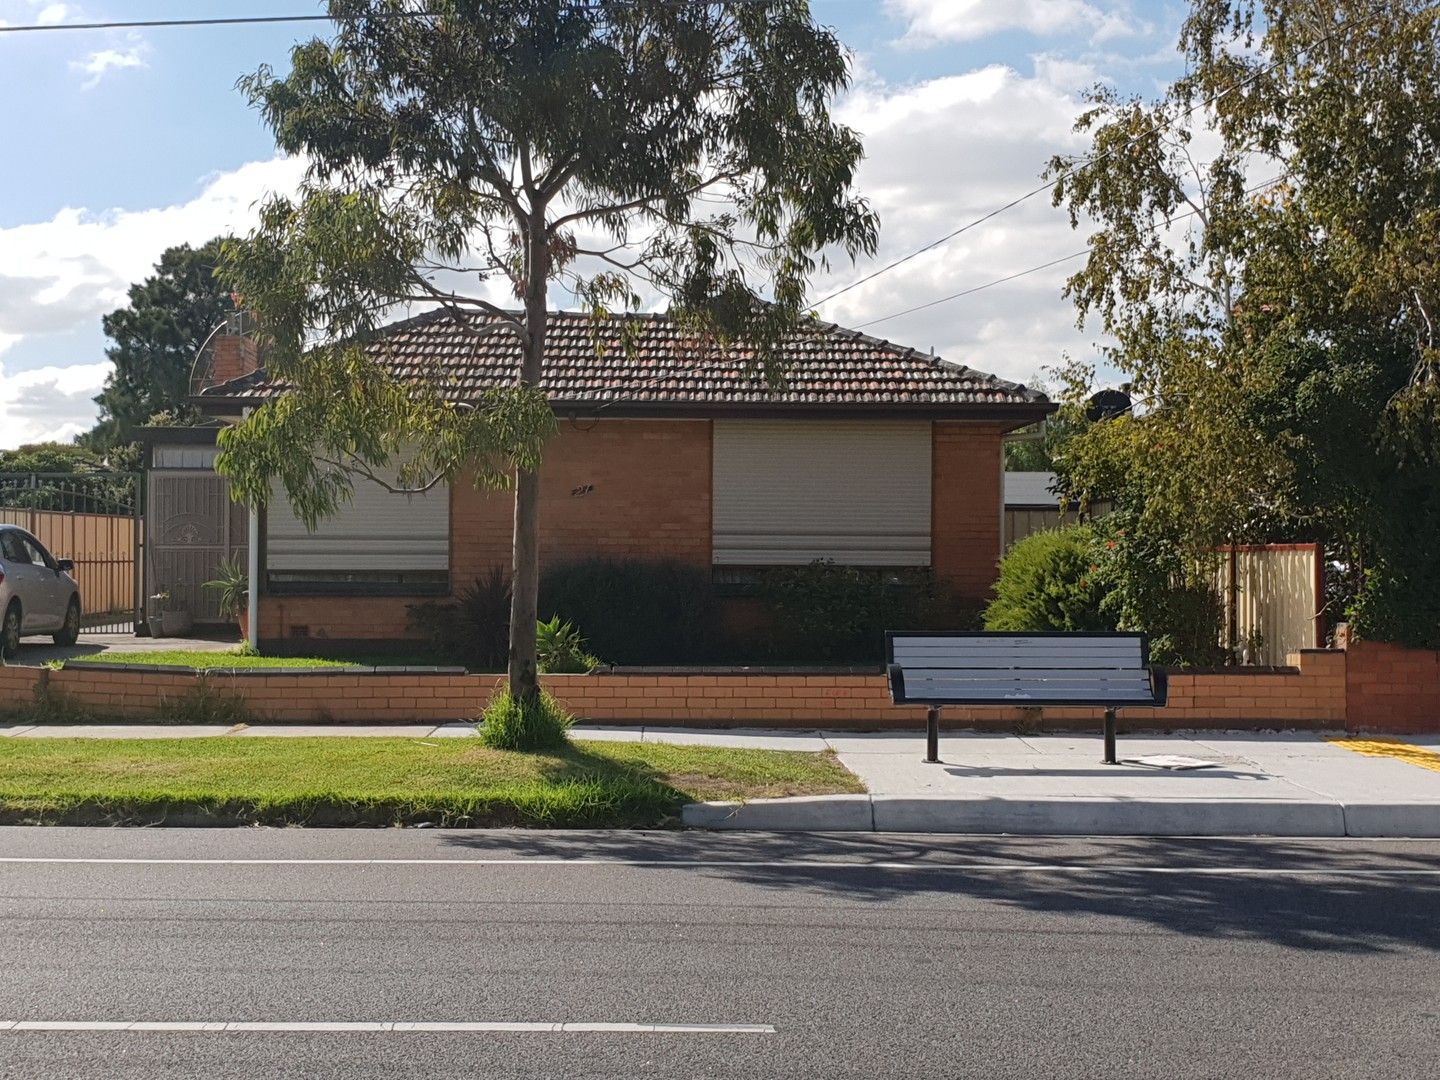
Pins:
x,y
932,735
1110,737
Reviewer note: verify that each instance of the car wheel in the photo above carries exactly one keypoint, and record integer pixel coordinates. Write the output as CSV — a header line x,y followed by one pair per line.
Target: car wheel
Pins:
x,y
70,632
10,632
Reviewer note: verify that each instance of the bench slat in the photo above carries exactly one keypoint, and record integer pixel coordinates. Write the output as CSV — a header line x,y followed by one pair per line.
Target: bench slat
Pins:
x,y
1079,676
1006,669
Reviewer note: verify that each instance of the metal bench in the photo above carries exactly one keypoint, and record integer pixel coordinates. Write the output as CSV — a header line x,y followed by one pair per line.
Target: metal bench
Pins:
x,y
1100,670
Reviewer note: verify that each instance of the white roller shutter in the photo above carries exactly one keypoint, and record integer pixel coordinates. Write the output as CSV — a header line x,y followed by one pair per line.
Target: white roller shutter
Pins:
x,y
788,492
376,530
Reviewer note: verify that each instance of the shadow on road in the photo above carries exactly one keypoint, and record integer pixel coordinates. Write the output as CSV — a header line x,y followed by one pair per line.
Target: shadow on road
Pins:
x,y
1330,906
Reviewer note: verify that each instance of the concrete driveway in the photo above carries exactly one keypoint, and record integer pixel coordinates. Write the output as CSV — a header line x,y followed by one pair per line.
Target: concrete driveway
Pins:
x,y
37,650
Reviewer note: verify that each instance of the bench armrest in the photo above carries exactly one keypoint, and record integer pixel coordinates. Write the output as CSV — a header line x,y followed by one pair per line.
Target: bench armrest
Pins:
x,y
897,683
1160,684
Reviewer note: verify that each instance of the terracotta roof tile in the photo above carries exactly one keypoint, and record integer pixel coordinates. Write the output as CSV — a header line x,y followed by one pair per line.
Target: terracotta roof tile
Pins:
x,y
668,366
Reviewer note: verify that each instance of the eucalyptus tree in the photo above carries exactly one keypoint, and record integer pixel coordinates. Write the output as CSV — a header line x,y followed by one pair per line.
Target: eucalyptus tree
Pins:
x,y
1267,260
483,155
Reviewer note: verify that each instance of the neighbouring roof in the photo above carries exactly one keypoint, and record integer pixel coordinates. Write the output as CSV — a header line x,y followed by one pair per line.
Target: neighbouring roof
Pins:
x,y
1031,489
668,368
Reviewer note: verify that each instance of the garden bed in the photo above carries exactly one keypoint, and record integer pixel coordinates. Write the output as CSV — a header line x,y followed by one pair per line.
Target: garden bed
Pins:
x,y
387,782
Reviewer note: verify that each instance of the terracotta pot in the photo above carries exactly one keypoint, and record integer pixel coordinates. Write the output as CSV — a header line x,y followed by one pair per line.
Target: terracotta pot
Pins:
x,y
244,624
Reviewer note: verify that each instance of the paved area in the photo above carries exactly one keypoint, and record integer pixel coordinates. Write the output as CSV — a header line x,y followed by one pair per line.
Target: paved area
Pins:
x,y
1265,783
761,956
39,650
1276,783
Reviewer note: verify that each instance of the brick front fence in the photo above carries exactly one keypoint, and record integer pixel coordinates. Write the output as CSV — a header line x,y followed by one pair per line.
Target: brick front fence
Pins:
x,y
1370,687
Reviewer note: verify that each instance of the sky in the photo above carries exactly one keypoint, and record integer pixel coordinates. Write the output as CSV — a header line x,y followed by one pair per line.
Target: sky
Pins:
x,y
117,144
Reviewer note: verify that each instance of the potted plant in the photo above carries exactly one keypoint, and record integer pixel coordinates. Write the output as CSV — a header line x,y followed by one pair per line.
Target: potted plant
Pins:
x,y
167,619
233,585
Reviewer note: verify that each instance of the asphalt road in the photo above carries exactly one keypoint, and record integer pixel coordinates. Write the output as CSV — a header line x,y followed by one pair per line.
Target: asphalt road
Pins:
x,y
869,956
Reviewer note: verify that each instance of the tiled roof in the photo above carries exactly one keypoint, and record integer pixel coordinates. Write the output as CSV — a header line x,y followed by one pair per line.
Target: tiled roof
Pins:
x,y
666,366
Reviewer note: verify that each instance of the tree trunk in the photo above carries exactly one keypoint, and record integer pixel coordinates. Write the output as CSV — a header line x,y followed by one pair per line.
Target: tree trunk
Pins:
x,y
525,556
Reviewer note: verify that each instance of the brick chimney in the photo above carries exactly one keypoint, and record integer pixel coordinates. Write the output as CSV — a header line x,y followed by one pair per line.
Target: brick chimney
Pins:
x,y
235,353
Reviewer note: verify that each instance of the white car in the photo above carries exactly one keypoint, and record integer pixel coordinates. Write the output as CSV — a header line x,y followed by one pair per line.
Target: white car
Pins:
x,y
38,595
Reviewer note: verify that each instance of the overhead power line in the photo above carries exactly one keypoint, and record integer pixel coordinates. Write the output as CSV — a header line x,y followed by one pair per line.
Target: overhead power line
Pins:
x,y
1043,266
253,20
1067,173
148,24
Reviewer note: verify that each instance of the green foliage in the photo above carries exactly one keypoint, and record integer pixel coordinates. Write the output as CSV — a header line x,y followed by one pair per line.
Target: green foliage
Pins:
x,y
561,649
474,629
635,611
827,613
232,582
242,656
1050,580
1283,353
536,723
690,146
79,479
386,782
49,706
203,703
155,339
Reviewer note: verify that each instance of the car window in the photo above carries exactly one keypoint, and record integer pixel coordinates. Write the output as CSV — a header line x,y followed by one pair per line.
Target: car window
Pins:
x,y
12,549
38,555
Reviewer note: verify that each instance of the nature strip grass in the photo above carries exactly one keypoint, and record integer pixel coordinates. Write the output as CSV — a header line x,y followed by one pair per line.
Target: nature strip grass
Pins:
x,y
384,782
203,660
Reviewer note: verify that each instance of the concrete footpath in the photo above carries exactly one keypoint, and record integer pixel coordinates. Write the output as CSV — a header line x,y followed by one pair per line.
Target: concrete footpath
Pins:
x,y
1272,784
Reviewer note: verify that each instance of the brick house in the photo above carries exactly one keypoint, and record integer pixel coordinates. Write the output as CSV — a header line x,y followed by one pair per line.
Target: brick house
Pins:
x,y
869,454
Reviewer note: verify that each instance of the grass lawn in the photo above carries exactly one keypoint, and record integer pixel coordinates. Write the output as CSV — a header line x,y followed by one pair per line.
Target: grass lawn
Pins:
x,y
205,661
381,782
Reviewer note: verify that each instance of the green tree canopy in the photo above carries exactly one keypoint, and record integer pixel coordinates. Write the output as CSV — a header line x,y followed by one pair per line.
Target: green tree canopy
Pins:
x,y
154,341
685,149
1274,299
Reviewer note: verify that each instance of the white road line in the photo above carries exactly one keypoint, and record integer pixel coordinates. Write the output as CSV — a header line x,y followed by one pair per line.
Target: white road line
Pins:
x,y
765,864
384,1026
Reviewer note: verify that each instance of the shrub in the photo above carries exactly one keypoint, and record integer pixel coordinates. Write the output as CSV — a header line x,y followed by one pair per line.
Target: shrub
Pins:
x,y
1050,581
826,613
634,611
511,724
1154,587
202,704
561,650
474,629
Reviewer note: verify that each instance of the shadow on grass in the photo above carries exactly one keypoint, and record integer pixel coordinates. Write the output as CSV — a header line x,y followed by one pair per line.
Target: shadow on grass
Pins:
x,y
574,788
1331,906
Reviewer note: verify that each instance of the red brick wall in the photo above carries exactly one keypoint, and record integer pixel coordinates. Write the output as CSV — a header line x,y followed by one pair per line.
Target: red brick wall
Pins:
x,y
17,686
1312,697
965,506
648,496
336,618
233,356
642,488
1390,688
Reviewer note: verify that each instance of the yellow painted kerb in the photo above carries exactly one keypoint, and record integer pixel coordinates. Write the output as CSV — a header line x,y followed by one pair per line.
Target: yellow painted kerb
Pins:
x,y
1390,748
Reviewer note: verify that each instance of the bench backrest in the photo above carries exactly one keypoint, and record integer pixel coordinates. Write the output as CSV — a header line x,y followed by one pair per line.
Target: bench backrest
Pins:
x,y
1009,669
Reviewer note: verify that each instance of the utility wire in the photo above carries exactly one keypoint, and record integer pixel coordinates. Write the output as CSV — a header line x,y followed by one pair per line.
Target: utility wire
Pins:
x,y
1067,173
253,20
1043,266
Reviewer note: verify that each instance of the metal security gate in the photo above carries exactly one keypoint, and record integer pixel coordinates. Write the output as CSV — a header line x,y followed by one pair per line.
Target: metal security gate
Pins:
x,y
193,526
95,519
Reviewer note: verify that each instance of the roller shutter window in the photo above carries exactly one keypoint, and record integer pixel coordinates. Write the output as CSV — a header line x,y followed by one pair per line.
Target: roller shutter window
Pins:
x,y
376,531
787,492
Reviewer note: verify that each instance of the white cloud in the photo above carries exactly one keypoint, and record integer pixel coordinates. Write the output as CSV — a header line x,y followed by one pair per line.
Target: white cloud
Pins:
x,y
942,153
61,275
931,21
99,64
52,13
48,403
